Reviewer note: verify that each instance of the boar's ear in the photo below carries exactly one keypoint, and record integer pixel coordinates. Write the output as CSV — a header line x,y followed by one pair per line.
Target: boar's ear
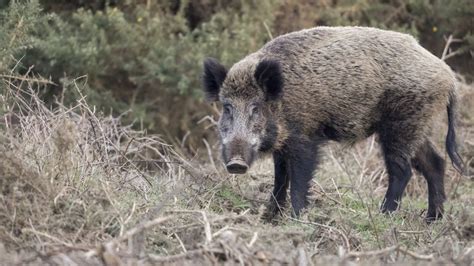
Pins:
x,y
269,76
214,76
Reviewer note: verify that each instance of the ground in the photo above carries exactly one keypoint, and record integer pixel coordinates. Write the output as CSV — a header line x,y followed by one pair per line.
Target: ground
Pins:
x,y
80,188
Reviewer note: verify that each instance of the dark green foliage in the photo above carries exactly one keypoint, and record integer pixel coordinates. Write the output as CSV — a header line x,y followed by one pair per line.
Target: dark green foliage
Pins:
x,y
147,55
141,55
429,20
17,24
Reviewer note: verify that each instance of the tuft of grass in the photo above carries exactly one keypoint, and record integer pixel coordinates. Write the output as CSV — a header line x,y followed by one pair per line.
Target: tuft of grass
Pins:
x,y
231,200
72,174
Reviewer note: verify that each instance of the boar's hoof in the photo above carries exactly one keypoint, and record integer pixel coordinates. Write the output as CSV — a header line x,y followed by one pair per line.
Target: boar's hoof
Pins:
x,y
432,216
295,214
389,206
272,210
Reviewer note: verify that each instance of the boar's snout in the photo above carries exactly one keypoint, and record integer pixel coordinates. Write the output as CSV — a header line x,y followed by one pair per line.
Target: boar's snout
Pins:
x,y
238,154
237,166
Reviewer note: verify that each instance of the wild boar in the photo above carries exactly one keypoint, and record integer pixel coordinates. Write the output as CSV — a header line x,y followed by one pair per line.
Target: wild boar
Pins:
x,y
342,84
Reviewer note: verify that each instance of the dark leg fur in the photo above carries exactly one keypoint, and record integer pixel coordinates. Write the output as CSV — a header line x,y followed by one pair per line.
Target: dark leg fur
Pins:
x,y
302,160
278,197
394,142
428,162
399,173
294,166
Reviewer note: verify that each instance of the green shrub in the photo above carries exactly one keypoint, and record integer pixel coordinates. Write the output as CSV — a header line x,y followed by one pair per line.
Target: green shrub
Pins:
x,y
146,55
429,21
17,23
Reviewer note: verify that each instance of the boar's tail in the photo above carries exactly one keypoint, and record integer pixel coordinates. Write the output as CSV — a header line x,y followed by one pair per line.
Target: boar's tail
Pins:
x,y
451,146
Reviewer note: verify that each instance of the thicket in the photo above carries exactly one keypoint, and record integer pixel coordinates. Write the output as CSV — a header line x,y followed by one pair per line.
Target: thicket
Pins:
x,y
145,56
431,21
82,187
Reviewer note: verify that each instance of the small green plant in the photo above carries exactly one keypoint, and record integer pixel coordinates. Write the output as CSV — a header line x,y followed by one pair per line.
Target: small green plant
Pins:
x,y
227,199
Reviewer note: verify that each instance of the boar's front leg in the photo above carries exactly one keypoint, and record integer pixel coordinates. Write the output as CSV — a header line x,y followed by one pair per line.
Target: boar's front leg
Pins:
x,y
302,157
281,182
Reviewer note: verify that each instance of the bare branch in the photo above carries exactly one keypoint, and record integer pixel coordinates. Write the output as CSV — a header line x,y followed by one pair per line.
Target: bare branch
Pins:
x,y
32,80
447,53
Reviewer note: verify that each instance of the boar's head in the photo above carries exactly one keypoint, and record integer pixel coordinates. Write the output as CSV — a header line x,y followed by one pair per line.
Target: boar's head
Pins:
x,y
247,92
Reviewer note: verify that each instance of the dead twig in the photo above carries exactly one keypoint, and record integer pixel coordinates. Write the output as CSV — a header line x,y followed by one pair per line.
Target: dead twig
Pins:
x,y
372,253
302,258
344,237
207,225
189,254
209,153
141,228
269,32
395,13
28,79
447,53
107,249
415,255
253,240
387,251
50,237
180,242
213,122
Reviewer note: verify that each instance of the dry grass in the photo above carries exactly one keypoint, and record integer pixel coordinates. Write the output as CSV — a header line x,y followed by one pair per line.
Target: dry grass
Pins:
x,y
80,188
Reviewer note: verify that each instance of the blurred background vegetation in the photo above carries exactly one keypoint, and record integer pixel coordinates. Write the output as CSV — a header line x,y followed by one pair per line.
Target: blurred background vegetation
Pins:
x,y
143,58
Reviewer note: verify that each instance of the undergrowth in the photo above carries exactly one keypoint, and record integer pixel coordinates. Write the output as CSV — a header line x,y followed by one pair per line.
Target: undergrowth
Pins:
x,y
80,187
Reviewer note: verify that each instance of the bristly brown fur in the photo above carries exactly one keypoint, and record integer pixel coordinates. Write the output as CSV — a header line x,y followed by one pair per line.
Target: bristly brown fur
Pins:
x,y
345,84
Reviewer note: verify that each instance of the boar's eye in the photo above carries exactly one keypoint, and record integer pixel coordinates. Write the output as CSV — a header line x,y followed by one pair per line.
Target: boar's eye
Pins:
x,y
254,109
227,109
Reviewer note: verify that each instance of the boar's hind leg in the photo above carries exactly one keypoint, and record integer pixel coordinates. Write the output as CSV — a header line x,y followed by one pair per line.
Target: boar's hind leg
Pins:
x,y
278,197
398,168
302,159
428,162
